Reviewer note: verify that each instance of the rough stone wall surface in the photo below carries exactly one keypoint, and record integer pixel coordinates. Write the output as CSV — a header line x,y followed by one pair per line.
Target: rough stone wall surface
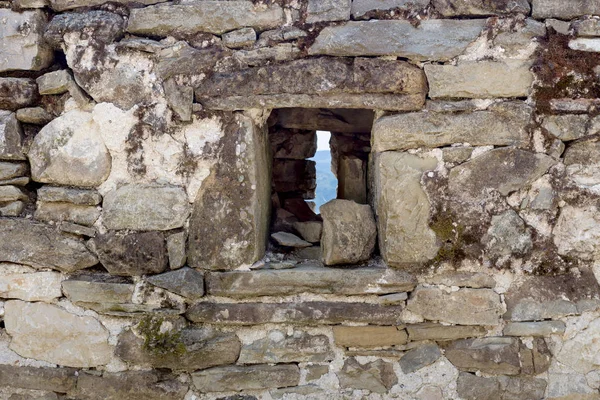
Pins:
x,y
136,145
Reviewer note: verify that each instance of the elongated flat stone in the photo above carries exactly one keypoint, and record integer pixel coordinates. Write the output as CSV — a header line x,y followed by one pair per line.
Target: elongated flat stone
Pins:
x,y
309,313
439,332
362,7
438,40
458,8
193,349
203,16
560,9
463,307
37,286
333,82
69,195
372,101
25,242
130,385
309,279
542,328
254,377
501,125
369,336
480,79
60,380
101,288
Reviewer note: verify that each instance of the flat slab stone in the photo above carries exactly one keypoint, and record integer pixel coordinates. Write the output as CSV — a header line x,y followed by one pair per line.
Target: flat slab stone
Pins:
x,y
68,195
289,240
461,8
501,125
41,246
59,212
203,16
369,336
145,207
362,7
309,279
439,332
130,385
542,328
435,40
9,170
52,334
55,82
191,349
21,43
373,101
34,115
17,93
308,313
474,280
60,380
279,347
37,286
253,377
463,307
480,79
357,83
98,288
543,9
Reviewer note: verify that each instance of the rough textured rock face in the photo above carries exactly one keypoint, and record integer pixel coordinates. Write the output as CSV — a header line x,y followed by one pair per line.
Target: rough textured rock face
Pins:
x,y
163,233
349,232
41,246
21,41
403,209
162,208
228,229
54,335
70,151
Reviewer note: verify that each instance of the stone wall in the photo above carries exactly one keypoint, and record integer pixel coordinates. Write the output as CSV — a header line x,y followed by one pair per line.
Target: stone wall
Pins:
x,y
141,144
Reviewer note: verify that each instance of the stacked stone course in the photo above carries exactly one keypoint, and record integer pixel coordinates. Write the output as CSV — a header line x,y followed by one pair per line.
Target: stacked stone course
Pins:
x,y
148,148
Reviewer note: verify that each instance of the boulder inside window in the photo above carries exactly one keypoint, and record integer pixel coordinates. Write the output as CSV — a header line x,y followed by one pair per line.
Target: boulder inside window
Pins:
x,y
300,180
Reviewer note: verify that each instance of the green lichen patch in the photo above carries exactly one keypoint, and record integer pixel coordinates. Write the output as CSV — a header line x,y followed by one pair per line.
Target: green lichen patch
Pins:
x,y
160,342
452,238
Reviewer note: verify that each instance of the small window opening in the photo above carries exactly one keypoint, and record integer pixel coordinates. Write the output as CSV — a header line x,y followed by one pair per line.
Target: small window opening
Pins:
x,y
318,155
327,183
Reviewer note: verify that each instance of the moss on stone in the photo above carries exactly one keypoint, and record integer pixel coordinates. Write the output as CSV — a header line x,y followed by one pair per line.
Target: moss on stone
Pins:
x,y
160,343
451,236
